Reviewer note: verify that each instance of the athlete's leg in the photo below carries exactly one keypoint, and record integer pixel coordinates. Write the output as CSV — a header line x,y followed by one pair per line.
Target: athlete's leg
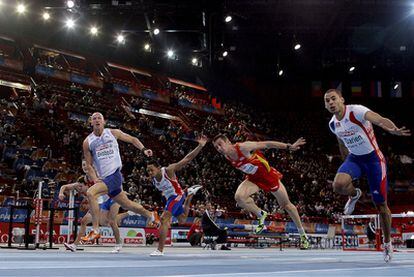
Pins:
x,y
165,225
348,171
86,219
282,198
112,221
129,205
183,217
244,199
93,192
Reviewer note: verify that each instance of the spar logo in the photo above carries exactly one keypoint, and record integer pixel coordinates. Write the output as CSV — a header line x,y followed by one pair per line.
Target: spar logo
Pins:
x,y
135,236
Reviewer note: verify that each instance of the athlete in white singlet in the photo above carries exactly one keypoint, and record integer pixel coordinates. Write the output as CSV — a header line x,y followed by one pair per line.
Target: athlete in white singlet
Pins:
x,y
177,202
101,152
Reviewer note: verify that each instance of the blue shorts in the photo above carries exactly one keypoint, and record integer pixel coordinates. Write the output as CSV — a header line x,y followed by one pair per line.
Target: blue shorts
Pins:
x,y
373,166
175,205
106,206
114,183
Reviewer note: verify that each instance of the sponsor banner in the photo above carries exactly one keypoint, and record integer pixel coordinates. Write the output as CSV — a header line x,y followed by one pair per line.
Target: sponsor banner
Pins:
x,y
134,221
19,215
350,241
179,235
72,77
206,108
13,64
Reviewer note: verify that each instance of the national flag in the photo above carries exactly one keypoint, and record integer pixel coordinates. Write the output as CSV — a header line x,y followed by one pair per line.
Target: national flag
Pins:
x,y
356,88
375,89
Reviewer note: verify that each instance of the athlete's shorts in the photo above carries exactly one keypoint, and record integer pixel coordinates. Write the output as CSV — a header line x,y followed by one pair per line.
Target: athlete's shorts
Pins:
x,y
373,166
175,205
267,181
114,183
106,206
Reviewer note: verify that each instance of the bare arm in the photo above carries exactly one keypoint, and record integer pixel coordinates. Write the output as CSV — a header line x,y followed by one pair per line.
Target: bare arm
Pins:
x,y
172,168
89,162
342,149
118,134
250,146
65,188
386,124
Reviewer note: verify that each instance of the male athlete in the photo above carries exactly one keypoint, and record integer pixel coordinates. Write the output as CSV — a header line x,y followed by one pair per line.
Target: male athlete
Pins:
x,y
260,175
178,203
352,124
108,210
101,152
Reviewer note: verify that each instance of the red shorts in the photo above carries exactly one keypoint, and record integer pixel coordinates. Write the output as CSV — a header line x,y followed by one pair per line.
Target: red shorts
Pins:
x,y
267,181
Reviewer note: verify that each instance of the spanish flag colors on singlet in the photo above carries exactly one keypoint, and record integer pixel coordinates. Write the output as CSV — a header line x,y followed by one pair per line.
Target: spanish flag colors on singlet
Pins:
x,y
257,169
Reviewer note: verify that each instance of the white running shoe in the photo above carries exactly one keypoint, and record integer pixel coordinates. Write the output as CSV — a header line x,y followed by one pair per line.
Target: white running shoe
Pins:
x,y
388,252
350,205
157,253
117,248
70,246
193,190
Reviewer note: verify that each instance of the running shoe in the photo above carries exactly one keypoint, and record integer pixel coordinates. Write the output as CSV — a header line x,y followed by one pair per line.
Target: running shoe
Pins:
x,y
91,236
350,205
261,226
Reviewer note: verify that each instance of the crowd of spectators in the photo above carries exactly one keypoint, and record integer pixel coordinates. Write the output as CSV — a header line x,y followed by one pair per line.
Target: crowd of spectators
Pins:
x,y
47,126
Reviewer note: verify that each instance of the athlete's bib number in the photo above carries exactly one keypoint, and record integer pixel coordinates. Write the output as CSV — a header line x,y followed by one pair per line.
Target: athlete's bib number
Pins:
x,y
248,168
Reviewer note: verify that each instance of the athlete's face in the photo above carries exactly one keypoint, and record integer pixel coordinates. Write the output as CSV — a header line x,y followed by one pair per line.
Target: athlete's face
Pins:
x,y
334,102
152,170
97,121
222,145
84,168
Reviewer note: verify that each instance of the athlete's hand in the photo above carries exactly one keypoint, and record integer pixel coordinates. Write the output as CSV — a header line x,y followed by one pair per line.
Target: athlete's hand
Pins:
x,y
399,131
61,196
148,152
298,144
202,140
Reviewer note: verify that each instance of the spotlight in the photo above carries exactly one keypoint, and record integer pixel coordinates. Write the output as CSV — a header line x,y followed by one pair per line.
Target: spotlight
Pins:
x,y
21,8
70,4
225,53
170,53
94,30
46,16
147,47
70,23
194,61
297,46
228,18
351,69
280,72
156,31
120,39
396,86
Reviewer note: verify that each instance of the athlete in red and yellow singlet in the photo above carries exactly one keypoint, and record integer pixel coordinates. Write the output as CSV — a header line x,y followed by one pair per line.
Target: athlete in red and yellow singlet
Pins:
x,y
246,157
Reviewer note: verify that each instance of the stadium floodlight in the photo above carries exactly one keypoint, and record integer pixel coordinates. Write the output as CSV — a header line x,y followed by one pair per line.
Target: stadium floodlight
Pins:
x,y
70,4
228,18
194,61
170,54
156,31
21,8
351,69
225,53
94,30
396,86
280,72
46,16
120,39
147,47
297,46
70,23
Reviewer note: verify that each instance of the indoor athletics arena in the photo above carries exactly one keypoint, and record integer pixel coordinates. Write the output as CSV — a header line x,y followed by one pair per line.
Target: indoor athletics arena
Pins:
x,y
206,138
